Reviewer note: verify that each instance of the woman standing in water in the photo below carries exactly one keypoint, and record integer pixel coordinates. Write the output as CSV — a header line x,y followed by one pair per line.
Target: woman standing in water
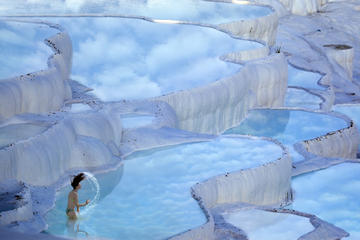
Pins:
x,y
73,199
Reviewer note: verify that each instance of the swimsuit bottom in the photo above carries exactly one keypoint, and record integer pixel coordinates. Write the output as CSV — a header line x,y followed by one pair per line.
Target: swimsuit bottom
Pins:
x,y
69,210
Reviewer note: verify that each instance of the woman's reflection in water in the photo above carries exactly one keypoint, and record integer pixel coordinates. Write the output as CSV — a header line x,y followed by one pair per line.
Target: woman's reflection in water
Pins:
x,y
73,229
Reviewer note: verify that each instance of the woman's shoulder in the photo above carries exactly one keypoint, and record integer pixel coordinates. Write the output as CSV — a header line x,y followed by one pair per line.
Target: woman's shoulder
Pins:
x,y
73,193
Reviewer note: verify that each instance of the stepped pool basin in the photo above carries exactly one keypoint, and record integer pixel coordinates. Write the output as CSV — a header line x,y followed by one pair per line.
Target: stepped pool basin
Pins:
x,y
259,225
305,79
136,120
334,197
302,99
288,126
22,48
153,200
123,58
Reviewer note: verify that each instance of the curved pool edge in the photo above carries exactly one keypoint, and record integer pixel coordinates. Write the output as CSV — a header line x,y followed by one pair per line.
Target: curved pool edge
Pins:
x,y
229,188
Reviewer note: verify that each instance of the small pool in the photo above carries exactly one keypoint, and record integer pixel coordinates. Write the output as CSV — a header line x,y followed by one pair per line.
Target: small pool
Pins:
x,y
188,10
134,59
22,48
15,132
80,107
352,111
153,200
331,194
260,225
136,120
302,99
288,126
305,79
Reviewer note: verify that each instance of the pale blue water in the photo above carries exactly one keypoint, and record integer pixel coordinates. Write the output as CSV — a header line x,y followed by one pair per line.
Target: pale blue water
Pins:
x,y
302,99
153,200
261,225
136,120
22,48
288,126
352,111
305,79
134,59
332,194
188,10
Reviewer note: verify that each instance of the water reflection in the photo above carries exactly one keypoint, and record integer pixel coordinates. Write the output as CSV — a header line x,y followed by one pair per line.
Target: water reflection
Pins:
x,y
288,126
74,231
188,10
22,48
153,199
135,59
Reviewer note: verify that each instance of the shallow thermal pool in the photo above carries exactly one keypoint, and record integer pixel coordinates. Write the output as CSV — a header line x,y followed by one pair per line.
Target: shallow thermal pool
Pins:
x,y
153,200
123,58
305,79
136,120
302,99
352,111
288,126
188,10
260,225
22,48
331,194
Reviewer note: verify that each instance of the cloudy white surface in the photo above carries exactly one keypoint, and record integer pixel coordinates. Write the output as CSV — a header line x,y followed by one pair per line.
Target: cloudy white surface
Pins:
x,y
22,48
333,195
288,126
190,10
260,225
302,99
153,200
130,59
305,79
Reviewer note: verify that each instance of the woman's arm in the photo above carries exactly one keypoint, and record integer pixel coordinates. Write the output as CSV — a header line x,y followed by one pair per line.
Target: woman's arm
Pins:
x,y
80,205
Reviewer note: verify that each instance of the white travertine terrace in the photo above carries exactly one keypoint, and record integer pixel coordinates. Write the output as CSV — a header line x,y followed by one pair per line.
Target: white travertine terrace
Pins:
x,y
269,184
21,94
343,55
224,103
342,143
262,29
96,138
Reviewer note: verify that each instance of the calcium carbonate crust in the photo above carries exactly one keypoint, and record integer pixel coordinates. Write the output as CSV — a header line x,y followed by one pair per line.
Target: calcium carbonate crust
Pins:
x,y
221,189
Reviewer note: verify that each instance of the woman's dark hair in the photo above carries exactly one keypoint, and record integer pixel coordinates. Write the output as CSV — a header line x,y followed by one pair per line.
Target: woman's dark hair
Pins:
x,y
77,179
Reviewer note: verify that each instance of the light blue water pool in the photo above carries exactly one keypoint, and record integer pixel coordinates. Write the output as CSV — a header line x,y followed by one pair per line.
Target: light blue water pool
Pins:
x,y
288,126
22,48
352,111
302,99
134,59
136,120
260,225
333,195
189,10
153,200
305,79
